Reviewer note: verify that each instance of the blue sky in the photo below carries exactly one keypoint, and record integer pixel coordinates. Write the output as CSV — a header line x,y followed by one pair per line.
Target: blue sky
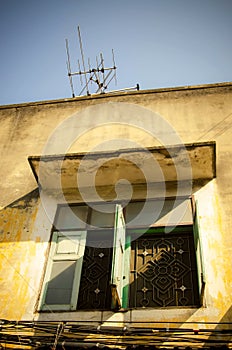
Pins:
x,y
157,43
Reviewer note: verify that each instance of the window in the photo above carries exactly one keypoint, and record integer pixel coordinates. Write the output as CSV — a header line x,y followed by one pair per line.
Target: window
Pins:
x,y
163,270
103,258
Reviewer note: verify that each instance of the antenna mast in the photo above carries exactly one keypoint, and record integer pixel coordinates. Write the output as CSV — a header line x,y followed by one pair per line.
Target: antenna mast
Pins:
x,y
100,75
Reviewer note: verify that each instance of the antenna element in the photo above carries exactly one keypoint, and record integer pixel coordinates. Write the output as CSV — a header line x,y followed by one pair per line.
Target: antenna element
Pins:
x,y
100,75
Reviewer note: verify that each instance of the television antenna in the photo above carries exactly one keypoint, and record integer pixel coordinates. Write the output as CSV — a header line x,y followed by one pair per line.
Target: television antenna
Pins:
x,y
100,76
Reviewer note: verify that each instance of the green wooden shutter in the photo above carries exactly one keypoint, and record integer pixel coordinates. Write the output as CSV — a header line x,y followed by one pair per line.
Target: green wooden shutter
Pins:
x,y
199,255
117,272
126,272
63,273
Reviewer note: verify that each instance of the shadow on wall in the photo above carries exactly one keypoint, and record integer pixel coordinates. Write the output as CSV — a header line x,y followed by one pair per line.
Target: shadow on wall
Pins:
x,y
222,333
17,218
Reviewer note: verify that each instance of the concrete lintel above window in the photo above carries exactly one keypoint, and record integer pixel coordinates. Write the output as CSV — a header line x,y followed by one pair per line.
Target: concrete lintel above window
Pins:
x,y
196,161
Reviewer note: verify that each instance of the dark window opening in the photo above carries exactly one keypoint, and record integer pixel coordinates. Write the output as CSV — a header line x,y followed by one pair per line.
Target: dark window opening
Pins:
x,y
94,292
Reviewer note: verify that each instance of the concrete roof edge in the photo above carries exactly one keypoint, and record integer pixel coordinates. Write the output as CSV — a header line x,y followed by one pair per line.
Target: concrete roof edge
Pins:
x,y
50,157
121,93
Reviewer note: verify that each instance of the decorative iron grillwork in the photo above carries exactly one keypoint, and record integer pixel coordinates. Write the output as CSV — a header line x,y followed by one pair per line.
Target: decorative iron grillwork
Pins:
x,y
163,271
94,292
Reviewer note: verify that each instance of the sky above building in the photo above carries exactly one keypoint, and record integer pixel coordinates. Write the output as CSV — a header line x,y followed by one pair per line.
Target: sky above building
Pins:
x,y
157,43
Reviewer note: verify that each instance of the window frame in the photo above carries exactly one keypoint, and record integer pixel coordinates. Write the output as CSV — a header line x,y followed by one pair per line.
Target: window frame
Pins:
x,y
119,299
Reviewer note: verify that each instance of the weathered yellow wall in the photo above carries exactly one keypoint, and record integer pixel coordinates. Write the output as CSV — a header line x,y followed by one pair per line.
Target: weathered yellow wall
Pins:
x,y
197,114
17,248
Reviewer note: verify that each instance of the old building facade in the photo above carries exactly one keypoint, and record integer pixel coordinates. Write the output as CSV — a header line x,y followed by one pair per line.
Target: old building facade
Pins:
x,y
115,219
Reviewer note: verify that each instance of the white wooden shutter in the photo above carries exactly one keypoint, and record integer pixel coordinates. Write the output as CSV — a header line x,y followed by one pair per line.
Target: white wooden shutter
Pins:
x,y
63,273
199,255
117,272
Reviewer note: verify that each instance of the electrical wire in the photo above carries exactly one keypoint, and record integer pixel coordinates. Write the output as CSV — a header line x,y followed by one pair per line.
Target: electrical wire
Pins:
x,y
39,333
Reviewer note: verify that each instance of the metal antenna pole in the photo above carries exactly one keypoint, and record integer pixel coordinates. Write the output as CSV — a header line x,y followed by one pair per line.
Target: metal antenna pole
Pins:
x,y
114,67
98,75
102,87
102,70
83,61
91,77
79,67
69,68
